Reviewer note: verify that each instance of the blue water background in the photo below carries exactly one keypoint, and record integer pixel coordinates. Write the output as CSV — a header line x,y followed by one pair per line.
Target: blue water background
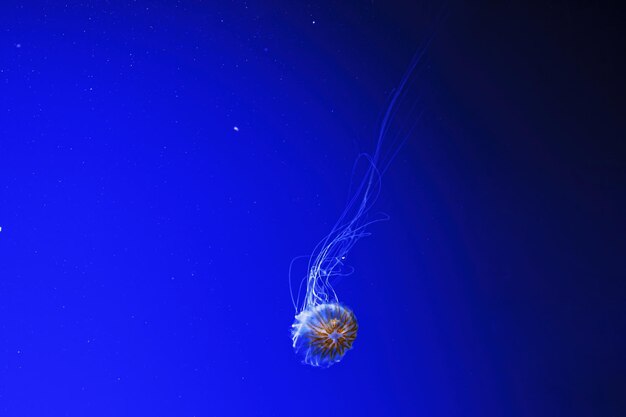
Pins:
x,y
145,241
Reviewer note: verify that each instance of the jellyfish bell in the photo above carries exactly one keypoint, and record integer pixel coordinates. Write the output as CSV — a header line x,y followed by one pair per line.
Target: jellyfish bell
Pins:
x,y
322,334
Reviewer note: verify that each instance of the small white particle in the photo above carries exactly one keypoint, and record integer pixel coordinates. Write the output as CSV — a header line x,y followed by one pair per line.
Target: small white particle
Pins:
x,y
18,45
236,129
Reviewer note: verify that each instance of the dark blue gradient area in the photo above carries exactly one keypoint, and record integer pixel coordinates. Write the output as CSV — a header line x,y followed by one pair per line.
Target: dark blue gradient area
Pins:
x,y
162,162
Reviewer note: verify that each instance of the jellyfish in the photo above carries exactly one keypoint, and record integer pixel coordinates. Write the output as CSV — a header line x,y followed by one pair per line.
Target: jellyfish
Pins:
x,y
324,329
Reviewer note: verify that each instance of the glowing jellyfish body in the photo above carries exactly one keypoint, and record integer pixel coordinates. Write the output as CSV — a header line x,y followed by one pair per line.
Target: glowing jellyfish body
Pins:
x,y
324,329
323,334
